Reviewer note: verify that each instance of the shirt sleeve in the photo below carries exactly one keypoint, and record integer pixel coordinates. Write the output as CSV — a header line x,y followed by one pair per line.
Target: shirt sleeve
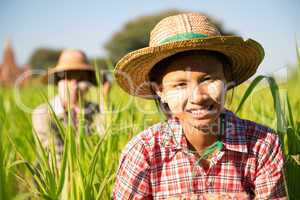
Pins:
x,y
40,124
133,175
269,182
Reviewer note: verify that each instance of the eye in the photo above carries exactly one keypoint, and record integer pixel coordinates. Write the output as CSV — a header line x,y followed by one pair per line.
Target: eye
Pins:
x,y
179,85
207,78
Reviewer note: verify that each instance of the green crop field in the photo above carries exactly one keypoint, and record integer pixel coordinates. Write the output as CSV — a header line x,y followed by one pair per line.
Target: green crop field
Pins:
x,y
89,162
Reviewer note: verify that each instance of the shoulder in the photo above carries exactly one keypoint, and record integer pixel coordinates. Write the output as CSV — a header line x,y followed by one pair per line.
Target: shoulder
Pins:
x,y
40,117
44,108
145,141
41,114
258,136
40,110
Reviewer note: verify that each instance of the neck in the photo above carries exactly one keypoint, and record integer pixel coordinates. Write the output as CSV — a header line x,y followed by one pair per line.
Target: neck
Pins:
x,y
198,138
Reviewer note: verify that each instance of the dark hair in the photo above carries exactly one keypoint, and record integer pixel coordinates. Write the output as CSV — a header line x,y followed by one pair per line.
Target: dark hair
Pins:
x,y
156,73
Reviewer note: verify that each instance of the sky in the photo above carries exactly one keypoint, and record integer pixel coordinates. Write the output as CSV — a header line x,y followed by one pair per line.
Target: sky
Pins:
x,y
87,25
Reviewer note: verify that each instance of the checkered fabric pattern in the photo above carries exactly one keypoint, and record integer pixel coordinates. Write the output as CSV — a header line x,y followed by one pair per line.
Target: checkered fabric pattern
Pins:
x,y
157,164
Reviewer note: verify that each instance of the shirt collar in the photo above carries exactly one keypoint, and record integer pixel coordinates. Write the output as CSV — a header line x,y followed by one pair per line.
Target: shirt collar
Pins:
x,y
234,137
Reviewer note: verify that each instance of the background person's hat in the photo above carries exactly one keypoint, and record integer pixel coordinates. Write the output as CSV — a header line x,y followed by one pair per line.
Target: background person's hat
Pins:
x,y
72,63
184,32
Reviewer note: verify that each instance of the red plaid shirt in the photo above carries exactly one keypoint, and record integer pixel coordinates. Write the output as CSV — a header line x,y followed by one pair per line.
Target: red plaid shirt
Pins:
x,y
156,164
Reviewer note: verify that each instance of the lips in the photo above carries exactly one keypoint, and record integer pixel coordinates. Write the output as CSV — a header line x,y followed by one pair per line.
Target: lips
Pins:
x,y
203,112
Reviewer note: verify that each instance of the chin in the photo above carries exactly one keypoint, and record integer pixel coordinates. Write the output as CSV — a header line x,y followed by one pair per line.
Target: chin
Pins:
x,y
204,123
200,123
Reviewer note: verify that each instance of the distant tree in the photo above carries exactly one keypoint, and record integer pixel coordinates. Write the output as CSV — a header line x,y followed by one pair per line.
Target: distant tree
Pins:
x,y
44,58
135,34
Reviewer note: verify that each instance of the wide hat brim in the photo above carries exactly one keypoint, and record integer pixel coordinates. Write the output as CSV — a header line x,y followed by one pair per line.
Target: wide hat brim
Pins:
x,y
132,71
80,73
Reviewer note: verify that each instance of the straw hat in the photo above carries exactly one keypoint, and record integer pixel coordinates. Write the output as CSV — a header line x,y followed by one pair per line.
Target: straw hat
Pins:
x,y
71,64
183,32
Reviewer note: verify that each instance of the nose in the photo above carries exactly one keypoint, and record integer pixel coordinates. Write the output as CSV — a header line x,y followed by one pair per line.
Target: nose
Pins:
x,y
198,95
73,83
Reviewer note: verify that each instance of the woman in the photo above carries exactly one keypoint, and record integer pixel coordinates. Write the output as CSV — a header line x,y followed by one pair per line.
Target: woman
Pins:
x,y
202,151
73,76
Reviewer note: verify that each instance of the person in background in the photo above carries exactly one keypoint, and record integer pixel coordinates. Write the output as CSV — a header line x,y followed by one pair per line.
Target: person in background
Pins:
x,y
73,76
202,150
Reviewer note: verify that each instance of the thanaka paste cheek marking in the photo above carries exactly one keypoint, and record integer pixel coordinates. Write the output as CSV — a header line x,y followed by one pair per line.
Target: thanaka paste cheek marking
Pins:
x,y
217,90
174,98
175,95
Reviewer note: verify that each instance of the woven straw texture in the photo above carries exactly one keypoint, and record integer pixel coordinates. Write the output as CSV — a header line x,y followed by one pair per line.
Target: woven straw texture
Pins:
x,y
132,70
71,62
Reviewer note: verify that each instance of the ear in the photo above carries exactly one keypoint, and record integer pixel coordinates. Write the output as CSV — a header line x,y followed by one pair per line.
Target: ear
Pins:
x,y
157,88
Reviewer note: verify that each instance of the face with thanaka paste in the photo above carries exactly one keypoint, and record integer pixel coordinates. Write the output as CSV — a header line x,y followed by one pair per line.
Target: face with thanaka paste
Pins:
x,y
69,90
194,89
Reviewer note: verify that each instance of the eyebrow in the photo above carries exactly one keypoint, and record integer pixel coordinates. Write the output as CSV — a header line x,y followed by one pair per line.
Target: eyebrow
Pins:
x,y
186,78
172,81
178,80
